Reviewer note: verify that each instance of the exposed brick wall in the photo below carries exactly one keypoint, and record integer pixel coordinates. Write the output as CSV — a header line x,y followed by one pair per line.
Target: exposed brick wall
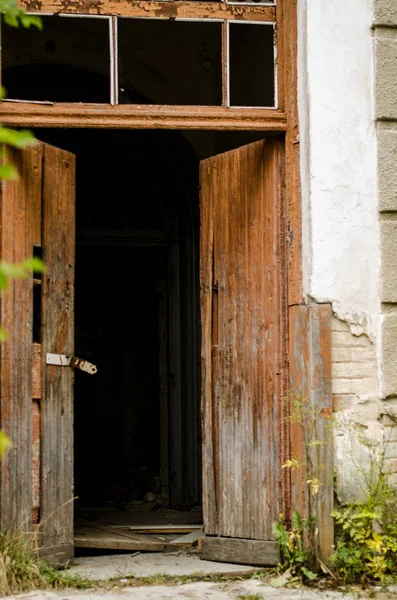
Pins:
x,y
354,368
356,404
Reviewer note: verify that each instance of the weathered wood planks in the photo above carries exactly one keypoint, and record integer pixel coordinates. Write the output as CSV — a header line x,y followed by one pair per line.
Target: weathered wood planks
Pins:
x,y
36,407
245,552
18,220
57,337
241,203
311,419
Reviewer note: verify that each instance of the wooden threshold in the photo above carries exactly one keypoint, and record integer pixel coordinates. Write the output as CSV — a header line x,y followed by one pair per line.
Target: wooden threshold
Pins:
x,y
159,529
240,551
160,9
113,539
132,116
118,538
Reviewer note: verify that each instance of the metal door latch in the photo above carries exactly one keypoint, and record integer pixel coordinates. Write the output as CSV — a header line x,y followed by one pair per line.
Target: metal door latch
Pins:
x,y
63,360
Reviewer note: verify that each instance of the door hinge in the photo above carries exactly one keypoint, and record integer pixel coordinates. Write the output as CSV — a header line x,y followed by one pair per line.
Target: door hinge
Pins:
x,y
63,360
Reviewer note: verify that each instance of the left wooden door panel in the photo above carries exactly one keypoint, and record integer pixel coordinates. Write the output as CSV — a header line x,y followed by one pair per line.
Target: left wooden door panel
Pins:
x,y
36,400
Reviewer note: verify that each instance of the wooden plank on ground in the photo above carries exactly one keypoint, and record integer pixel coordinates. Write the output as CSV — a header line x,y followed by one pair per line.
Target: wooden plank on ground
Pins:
x,y
188,540
178,529
91,537
239,551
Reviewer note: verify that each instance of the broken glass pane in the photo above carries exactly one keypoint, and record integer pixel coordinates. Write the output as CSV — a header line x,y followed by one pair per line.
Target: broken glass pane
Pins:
x,y
251,65
169,62
68,61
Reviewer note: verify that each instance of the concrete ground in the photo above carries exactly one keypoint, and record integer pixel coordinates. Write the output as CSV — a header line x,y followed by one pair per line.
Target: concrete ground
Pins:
x,y
121,567
149,564
242,590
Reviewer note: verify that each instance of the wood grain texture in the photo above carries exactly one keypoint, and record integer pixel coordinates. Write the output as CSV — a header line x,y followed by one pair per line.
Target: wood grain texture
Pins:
x,y
112,539
244,552
17,202
36,460
57,337
124,116
241,197
311,409
57,555
288,44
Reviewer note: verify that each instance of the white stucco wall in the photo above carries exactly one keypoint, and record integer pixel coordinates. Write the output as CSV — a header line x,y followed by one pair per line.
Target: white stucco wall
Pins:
x,y
341,239
338,164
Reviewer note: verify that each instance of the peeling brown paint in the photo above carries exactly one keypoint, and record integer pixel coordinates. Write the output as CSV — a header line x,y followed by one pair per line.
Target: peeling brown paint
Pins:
x,y
155,9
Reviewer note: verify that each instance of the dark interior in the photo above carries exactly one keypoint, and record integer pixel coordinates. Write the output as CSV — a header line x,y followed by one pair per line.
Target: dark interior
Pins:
x,y
159,62
136,315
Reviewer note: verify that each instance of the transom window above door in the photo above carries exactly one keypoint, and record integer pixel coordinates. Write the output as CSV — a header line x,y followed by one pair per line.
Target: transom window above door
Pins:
x,y
212,61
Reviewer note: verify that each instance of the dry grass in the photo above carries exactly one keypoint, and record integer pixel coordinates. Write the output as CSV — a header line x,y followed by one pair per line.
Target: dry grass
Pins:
x,y
21,569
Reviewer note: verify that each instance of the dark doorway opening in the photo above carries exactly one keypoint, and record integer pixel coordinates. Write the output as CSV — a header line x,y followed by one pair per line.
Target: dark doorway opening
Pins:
x,y
137,426
137,421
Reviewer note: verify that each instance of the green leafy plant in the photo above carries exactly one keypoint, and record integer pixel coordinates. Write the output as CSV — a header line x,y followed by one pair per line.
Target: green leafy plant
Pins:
x,y
296,548
365,551
14,16
297,540
366,548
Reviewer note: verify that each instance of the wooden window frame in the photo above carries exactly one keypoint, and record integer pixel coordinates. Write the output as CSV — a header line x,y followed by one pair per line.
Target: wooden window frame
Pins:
x,y
114,115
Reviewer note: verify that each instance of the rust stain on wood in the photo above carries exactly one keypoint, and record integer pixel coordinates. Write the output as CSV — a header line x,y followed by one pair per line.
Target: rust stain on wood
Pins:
x,y
241,198
36,371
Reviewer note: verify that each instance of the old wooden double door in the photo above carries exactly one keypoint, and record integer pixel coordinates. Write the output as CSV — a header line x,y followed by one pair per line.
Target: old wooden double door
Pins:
x,y
241,281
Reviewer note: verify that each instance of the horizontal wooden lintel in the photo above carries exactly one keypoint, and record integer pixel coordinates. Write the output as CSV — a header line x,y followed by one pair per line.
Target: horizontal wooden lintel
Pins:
x,y
240,551
128,116
153,9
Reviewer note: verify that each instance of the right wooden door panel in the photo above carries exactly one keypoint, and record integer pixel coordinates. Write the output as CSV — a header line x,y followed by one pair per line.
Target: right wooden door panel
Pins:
x,y
240,281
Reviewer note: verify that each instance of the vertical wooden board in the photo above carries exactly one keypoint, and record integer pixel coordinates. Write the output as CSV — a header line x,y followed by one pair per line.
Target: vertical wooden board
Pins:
x,y
17,214
288,39
36,460
311,426
58,337
241,194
